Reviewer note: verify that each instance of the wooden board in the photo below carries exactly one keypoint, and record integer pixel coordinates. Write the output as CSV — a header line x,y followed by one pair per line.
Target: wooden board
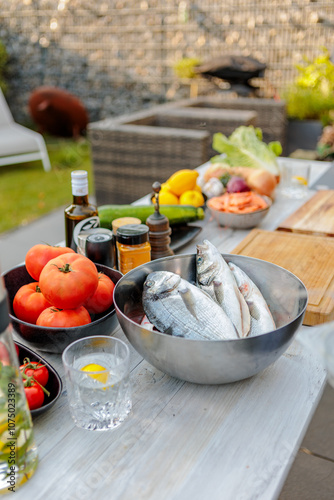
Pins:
x,y
311,258
316,216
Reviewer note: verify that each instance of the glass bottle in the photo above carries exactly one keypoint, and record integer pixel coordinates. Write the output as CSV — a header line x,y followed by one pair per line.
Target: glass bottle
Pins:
x,y
18,451
133,246
81,215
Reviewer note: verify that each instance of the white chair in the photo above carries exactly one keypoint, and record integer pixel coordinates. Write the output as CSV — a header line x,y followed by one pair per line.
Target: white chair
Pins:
x,y
19,144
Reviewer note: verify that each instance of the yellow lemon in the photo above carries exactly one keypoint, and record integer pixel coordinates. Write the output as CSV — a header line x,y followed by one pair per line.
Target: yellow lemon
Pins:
x,y
182,180
192,197
167,198
92,367
300,179
198,188
165,187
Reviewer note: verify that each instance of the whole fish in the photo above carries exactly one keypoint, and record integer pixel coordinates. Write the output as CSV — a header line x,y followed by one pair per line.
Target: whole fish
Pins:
x,y
175,306
215,277
261,317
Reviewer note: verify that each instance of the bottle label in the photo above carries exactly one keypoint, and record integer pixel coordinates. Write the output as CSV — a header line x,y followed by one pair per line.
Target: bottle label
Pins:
x,y
85,225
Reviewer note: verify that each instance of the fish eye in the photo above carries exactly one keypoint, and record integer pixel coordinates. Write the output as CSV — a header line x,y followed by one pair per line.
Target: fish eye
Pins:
x,y
199,260
149,283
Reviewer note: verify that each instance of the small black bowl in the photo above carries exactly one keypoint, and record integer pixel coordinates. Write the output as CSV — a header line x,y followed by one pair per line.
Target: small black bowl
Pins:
x,y
54,385
57,339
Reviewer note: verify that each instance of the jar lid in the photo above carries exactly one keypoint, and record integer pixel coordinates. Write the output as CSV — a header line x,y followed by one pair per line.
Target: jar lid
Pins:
x,y
132,234
122,221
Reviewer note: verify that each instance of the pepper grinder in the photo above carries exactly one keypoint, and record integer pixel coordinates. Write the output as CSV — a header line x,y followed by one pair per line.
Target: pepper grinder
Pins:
x,y
159,229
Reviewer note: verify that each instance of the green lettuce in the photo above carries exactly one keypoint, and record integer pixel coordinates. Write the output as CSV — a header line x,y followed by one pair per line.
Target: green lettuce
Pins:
x,y
245,148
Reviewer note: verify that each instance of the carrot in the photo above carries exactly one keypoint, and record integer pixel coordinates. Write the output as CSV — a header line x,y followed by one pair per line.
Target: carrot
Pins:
x,y
238,203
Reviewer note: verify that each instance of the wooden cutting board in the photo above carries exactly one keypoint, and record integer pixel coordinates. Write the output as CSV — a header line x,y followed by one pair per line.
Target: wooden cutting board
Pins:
x,y
316,216
309,257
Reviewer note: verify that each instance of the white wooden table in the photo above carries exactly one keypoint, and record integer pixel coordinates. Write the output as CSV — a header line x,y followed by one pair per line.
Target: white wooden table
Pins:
x,y
185,441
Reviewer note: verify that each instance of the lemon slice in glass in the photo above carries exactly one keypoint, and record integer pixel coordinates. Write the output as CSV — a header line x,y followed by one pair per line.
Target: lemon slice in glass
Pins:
x,y
300,179
92,367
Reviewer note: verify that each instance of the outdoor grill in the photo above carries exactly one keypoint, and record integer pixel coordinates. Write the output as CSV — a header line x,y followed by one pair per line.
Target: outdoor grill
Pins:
x,y
236,70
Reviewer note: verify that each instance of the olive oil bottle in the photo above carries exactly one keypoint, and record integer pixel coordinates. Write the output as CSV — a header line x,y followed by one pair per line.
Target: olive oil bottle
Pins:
x,y
81,215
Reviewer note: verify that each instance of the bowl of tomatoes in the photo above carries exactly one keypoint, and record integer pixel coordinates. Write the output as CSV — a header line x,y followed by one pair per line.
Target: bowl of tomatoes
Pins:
x,y
67,299
45,386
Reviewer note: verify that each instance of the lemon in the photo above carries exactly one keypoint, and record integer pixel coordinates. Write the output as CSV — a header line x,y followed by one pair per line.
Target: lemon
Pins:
x,y
192,197
182,180
92,367
167,198
300,179
198,188
165,187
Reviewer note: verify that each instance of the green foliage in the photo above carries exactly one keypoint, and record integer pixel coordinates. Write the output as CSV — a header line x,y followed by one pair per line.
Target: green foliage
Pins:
x,y
3,63
311,96
245,147
28,192
185,67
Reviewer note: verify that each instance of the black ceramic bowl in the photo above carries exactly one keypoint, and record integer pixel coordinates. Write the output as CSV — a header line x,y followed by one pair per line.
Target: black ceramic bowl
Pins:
x,y
57,339
54,385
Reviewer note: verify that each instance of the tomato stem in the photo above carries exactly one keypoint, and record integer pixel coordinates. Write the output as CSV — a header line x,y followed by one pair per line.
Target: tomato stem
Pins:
x,y
65,269
29,381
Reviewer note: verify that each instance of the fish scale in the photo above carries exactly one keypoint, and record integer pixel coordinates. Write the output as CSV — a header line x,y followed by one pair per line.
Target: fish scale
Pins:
x,y
261,317
175,306
215,277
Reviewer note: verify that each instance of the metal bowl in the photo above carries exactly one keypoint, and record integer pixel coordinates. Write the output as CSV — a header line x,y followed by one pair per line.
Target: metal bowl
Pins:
x,y
240,221
218,361
56,339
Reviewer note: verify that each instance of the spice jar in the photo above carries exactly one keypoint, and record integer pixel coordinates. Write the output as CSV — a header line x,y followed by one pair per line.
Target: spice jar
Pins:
x,y
133,246
123,221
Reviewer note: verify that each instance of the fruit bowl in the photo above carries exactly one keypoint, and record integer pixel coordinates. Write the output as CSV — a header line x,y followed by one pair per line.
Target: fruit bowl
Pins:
x,y
56,339
213,361
240,221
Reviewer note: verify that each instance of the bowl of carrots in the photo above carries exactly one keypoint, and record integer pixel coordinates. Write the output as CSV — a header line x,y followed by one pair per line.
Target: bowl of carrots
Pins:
x,y
241,210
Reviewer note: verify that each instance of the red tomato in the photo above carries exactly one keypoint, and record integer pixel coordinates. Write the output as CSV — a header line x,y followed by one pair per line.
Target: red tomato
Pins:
x,y
36,370
35,395
68,280
39,255
63,318
103,296
29,302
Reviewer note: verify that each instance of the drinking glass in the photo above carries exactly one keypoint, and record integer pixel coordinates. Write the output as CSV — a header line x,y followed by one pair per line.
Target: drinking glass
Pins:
x,y
97,371
294,180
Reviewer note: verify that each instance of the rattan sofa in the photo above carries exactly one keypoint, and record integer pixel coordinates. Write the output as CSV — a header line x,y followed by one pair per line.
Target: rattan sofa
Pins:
x,y
130,152
271,113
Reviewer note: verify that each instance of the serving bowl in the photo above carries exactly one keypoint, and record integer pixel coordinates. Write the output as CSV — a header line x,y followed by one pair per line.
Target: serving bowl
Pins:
x,y
240,221
216,361
54,384
57,339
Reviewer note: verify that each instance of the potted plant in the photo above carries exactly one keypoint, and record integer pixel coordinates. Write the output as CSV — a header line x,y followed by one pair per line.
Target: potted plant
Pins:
x,y
310,101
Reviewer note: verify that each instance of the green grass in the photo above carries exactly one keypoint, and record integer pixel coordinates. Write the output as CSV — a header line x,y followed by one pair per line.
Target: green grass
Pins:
x,y
28,192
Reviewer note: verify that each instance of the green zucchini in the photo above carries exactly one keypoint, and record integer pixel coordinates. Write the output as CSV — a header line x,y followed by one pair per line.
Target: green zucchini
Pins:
x,y
177,214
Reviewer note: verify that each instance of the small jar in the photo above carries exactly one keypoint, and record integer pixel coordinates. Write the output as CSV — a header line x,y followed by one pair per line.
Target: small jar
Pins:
x,y
133,246
123,221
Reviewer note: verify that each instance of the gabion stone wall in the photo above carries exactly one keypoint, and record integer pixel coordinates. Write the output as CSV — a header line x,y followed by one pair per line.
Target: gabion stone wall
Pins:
x,y
118,55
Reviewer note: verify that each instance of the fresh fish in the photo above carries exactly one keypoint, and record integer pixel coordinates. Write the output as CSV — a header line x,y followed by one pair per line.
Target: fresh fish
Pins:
x,y
216,278
261,317
175,306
